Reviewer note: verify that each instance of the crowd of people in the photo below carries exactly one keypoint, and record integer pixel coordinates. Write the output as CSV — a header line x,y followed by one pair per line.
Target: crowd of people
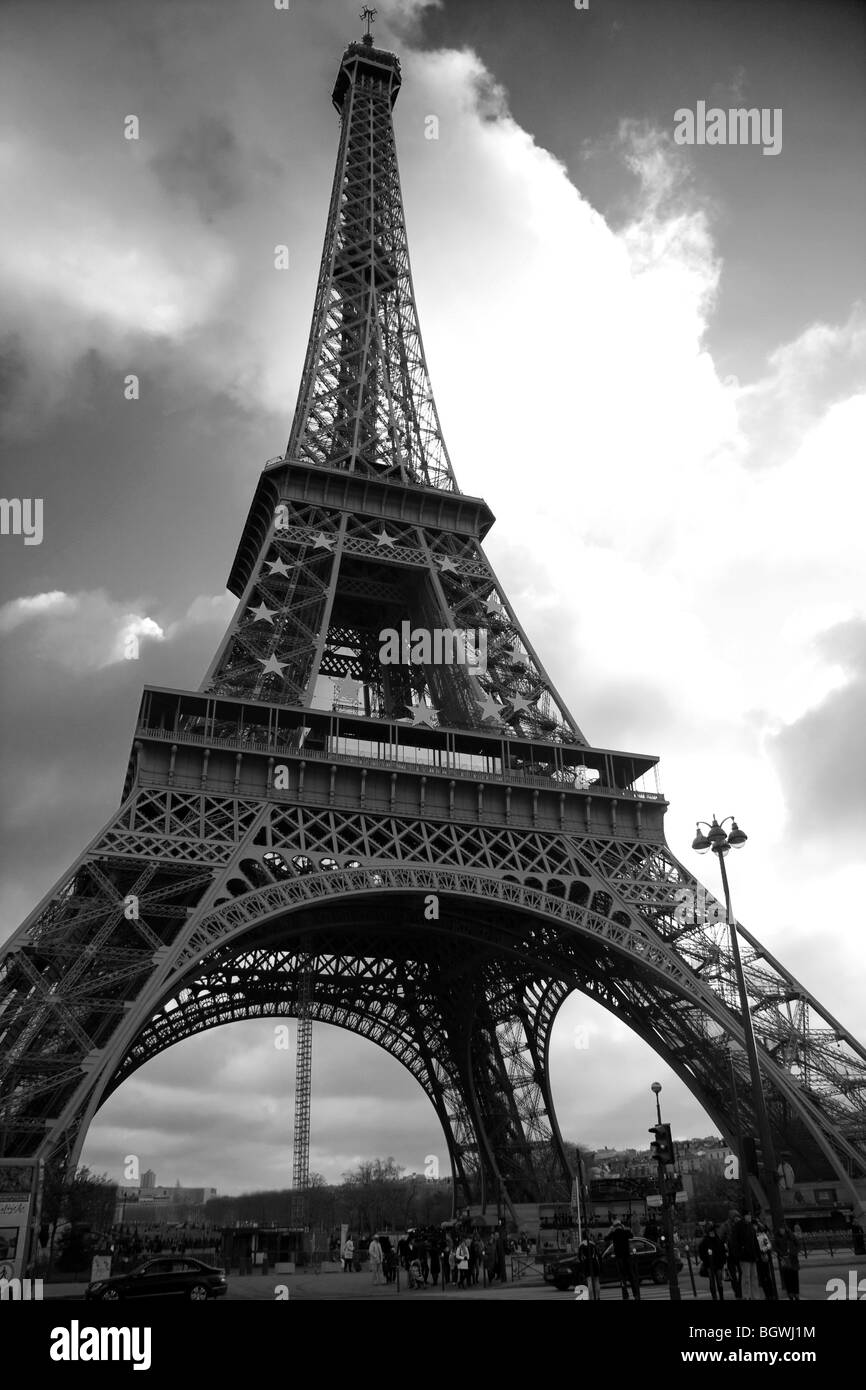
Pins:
x,y
738,1251
430,1256
741,1248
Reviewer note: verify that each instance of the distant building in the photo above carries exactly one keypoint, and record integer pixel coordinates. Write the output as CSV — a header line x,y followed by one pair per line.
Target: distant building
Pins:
x,y
152,1204
148,1180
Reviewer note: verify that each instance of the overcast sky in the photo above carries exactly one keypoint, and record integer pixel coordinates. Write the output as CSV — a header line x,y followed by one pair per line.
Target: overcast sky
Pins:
x,y
649,358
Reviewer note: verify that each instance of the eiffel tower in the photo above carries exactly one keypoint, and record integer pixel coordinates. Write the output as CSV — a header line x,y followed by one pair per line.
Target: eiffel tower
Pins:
x,y
425,851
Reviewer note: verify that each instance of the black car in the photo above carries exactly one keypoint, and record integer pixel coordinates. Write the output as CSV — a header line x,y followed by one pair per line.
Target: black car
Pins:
x,y
650,1262
165,1276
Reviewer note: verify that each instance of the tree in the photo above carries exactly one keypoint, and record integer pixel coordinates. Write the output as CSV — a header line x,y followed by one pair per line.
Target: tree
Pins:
x,y
85,1202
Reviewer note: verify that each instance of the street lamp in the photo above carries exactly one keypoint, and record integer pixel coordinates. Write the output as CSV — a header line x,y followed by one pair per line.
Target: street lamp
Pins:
x,y
663,1136
656,1089
720,841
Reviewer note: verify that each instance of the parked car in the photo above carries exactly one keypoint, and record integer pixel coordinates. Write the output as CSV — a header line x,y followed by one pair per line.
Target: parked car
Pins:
x,y
649,1258
165,1276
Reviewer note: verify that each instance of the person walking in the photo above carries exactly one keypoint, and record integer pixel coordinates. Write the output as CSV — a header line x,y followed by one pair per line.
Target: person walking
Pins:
x,y
389,1260
477,1258
622,1253
787,1248
590,1266
348,1254
435,1259
748,1254
711,1252
732,1238
766,1277
422,1252
376,1258
462,1264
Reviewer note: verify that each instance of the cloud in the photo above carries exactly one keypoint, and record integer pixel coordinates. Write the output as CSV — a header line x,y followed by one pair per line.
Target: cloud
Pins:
x,y
822,367
822,756
83,632
204,163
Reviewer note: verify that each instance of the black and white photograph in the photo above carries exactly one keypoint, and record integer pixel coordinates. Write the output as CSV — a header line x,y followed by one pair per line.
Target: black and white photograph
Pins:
x,y
433,652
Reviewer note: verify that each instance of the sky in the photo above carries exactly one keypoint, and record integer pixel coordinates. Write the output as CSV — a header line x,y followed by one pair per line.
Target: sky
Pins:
x,y
649,358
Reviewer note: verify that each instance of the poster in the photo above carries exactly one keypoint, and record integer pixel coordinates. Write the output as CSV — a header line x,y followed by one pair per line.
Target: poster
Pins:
x,y
14,1217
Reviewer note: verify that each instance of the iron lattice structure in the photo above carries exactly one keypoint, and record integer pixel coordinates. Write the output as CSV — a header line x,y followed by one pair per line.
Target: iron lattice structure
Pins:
x,y
432,857
303,1094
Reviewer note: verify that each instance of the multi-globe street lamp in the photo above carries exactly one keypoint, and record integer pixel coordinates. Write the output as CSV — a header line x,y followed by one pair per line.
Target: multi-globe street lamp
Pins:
x,y
720,842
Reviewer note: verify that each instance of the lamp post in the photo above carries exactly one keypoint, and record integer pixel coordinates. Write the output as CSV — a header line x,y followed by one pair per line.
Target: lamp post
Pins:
x,y
738,1136
666,1195
656,1090
720,842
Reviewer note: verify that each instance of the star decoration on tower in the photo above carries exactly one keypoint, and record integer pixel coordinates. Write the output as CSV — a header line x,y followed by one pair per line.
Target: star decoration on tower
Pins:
x,y
489,708
515,656
422,714
520,705
263,614
492,604
447,565
323,542
384,539
272,667
278,567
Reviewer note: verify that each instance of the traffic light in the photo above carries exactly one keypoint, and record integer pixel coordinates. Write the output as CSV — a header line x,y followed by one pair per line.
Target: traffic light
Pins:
x,y
662,1147
752,1155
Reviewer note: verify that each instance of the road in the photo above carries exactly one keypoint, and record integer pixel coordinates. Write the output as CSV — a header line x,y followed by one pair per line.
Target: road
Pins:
x,y
338,1287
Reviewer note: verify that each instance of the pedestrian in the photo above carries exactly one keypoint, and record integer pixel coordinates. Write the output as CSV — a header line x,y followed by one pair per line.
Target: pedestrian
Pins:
x,y
622,1253
462,1264
590,1266
421,1254
712,1254
748,1253
376,1258
789,1262
731,1237
476,1263
435,1259
348,1254
766,1278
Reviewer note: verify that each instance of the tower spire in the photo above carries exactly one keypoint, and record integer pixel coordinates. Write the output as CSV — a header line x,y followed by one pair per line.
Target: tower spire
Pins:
x,y
368,15
361,530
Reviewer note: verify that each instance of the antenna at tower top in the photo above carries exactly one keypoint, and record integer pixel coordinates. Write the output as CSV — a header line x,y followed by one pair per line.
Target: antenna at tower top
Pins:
x,y
368,16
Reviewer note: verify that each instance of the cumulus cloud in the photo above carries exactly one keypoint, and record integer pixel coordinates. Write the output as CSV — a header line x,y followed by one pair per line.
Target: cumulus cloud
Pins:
x,y
823,367
83,632
822,755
